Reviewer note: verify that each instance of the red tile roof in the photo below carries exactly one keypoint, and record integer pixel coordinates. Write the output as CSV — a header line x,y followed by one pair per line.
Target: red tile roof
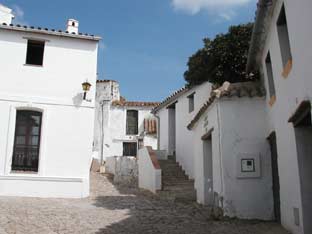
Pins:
x,y
244,89
170,98
134,104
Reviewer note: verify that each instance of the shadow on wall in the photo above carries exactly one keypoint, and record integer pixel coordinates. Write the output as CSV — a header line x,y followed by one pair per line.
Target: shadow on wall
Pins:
x,y
77,100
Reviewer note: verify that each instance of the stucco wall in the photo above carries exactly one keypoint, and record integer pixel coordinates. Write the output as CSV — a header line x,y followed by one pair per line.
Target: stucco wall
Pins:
x,y
237,127
184,148
289,93
110,122
55,90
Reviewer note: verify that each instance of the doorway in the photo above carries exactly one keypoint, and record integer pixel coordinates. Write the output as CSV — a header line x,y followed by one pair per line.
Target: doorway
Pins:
x,y
172,129
208,170
275,177
303,132
27,141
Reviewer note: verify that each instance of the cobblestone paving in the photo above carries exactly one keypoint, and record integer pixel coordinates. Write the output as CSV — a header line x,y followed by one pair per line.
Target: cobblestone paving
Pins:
x,y
112,210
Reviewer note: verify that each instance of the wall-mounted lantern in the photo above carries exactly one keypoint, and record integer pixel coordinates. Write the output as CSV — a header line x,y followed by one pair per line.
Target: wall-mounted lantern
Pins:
x,y
85,87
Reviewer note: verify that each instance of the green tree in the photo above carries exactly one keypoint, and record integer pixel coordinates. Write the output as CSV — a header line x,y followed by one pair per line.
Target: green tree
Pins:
x,y
222,59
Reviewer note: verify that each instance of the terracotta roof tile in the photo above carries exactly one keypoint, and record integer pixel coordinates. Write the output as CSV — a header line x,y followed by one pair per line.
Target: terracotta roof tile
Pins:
x,y
134,104
170,98
244,89
105,81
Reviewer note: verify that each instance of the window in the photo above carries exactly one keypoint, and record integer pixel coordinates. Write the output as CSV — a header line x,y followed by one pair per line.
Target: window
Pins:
x,y
269,70
27,141
130,149
283,37
35,51
132,122
191,102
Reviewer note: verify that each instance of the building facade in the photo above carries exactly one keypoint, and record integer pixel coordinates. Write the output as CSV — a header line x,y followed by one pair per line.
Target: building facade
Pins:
x,y
174,114
46,145
232,157
121,127
280,48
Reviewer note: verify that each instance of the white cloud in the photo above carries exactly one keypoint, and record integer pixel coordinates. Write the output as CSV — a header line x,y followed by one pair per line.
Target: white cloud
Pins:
x,y
223,8
19,15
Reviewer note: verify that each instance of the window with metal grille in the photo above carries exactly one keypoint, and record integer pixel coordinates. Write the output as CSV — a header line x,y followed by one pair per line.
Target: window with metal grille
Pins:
x,y
132,122
130,149
27,141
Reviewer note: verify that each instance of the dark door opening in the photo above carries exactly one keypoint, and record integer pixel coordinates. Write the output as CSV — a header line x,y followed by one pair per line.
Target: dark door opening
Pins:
x,y
208,169
27,141
275,177
303,131
172,129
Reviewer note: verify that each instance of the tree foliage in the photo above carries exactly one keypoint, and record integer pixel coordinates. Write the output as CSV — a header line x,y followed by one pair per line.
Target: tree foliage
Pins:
x,y
222,59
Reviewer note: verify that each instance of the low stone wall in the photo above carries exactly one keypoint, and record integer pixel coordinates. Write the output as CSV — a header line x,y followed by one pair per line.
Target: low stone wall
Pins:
x,y
124,169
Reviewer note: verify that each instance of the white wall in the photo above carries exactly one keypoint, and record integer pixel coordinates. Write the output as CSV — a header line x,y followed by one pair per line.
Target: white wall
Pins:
x,y
163,131
289,93
149,176
184,137
237,127
54,89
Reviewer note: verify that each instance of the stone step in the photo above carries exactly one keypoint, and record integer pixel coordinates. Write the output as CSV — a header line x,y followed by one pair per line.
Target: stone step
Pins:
x,y
187,196
180,188
176,185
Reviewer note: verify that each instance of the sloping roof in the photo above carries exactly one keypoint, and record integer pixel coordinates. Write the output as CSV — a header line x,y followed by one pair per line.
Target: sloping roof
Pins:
x,y
263,19
105,81
134,104
172,97
46,31
238,90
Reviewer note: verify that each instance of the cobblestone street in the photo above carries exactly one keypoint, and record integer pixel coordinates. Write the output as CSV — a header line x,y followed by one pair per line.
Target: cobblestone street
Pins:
x,y
112,210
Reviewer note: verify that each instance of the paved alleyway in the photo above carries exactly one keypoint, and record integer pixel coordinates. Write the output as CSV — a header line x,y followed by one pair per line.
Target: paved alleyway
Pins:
x,y
112,210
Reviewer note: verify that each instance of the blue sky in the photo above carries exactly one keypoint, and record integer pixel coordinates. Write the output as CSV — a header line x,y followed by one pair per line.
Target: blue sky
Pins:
x,y
146,43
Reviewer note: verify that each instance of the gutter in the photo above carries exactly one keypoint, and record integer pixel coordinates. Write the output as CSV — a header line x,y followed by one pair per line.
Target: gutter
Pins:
x,y
265,8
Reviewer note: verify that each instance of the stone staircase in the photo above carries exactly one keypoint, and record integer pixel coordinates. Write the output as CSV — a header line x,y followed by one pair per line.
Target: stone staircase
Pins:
x,y
176,186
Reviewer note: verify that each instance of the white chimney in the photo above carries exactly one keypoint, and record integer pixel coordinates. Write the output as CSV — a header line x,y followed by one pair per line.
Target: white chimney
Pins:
x,y
72,26
6,15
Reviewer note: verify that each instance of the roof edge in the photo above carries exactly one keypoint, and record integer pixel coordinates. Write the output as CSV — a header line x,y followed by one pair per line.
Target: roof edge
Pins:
x,y
263,15
46,31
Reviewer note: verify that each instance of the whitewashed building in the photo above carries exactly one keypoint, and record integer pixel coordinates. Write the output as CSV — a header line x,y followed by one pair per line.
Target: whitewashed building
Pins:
x,y
232,158
174,114
121,127
281,49
46,140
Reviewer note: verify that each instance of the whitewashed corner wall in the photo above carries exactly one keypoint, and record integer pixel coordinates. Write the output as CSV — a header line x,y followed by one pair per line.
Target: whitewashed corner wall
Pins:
x,y
237,127
289,93
149,176
55,88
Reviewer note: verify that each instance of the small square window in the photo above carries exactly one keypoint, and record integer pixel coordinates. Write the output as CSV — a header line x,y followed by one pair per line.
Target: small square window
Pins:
x,y
130,149
191,102
35,51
